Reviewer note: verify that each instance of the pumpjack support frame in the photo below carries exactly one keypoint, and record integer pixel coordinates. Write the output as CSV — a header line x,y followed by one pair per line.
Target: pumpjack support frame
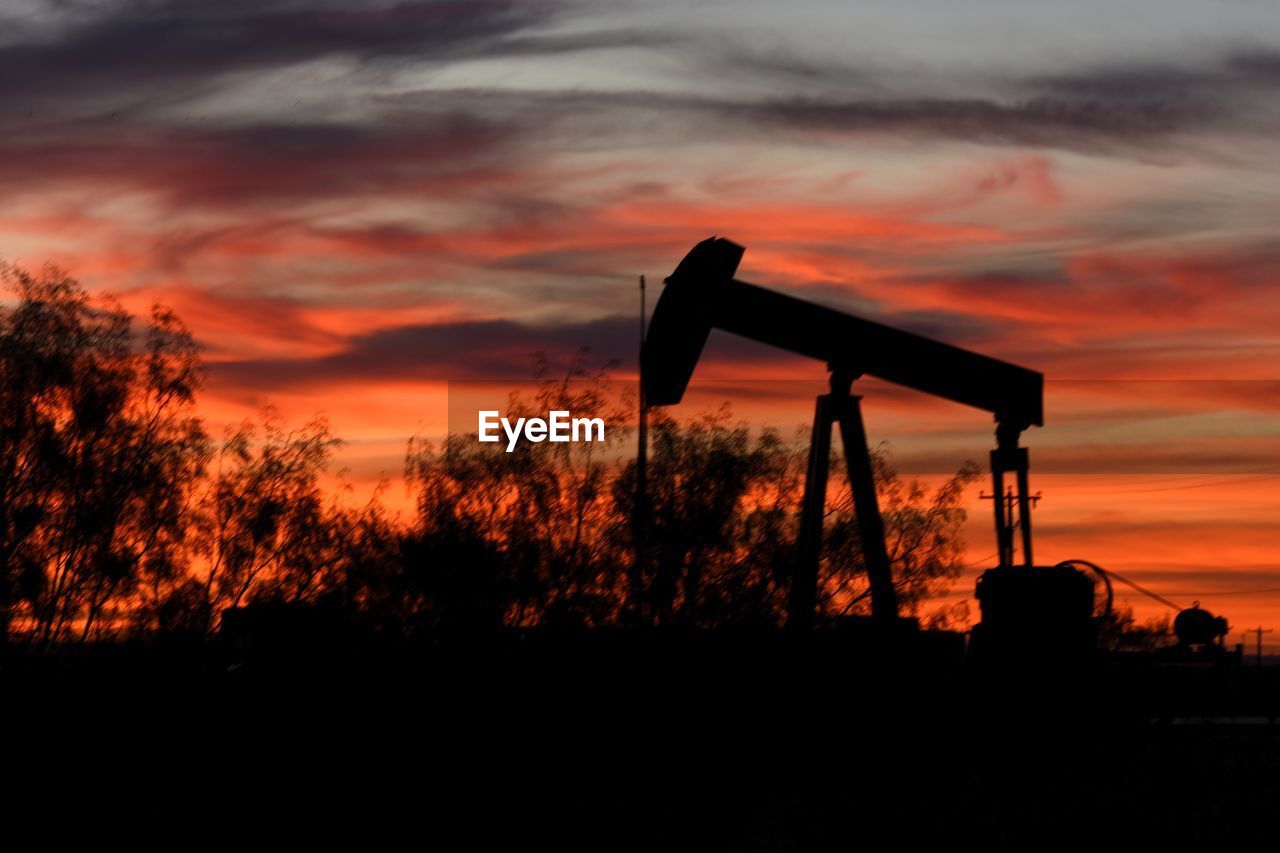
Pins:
x,y
702,294
843,408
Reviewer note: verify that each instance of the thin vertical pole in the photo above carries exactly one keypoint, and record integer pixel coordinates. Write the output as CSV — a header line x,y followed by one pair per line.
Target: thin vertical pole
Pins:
x,y
642,439
1259,631
640,510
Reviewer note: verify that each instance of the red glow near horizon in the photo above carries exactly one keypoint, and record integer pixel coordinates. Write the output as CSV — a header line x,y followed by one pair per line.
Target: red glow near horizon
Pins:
x,y
348,242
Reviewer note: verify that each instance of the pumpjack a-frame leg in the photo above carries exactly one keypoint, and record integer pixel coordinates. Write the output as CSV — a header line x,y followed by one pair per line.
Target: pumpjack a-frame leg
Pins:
x,y
843,408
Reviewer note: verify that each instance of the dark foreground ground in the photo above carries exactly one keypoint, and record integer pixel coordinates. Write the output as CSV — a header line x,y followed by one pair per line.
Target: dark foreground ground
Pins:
x,y
687,749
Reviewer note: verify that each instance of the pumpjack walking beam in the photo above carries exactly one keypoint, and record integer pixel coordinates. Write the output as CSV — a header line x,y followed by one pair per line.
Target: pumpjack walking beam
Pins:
x,y
703,294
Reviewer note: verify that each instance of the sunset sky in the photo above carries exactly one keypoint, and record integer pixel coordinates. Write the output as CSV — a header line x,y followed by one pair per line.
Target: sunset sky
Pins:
x,y
352,204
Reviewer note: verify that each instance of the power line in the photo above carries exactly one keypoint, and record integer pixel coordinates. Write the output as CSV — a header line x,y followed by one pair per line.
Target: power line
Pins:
x,y
983,561
1258,591
1142,589
1245,478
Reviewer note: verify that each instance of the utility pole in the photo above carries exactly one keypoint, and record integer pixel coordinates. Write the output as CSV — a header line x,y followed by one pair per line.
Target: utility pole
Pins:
x,y
1010,500
1259,631
642,449
640,510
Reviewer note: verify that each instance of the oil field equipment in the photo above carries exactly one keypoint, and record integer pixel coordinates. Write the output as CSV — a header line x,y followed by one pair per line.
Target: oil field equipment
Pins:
x,y
1198,629
703,294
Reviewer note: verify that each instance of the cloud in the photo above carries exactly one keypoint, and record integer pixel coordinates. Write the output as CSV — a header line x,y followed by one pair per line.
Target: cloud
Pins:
x,y
1041,122
479,350
144,48
1047,121
128,59
199,167
1113,107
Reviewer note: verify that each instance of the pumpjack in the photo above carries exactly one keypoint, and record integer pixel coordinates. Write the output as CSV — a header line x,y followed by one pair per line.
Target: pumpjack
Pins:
x,y
1050,607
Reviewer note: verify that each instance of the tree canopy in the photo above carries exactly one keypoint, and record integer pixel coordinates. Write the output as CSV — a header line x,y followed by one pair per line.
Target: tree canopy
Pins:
x,y
121,517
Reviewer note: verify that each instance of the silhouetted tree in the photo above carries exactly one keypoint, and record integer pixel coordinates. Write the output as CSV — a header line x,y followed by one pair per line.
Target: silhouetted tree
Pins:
x,y
718,512
119,516
517,538
265,528
725,514
98,450
922,535
1121,631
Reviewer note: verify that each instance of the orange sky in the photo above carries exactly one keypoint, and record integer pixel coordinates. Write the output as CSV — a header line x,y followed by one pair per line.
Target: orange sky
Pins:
x,y
351,208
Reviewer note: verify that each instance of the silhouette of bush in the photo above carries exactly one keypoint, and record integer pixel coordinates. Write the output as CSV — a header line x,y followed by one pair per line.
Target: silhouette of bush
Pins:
x,y
121,518
99,450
